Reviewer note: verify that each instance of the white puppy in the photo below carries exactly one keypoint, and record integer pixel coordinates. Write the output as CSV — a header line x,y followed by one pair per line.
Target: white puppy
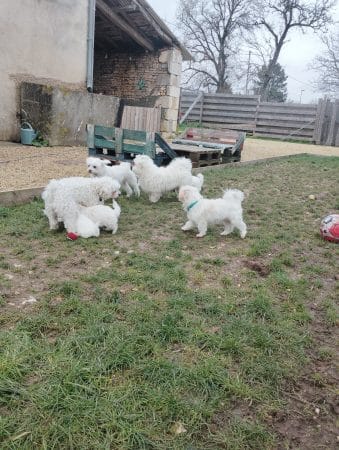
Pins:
x,y
92,218
122,172
202,212
155,181
64,197
86,228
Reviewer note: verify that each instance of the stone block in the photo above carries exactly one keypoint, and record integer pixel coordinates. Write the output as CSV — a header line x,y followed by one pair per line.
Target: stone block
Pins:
x,y
168,126
173,91
165,56
174,104
170,114
164,101
174,68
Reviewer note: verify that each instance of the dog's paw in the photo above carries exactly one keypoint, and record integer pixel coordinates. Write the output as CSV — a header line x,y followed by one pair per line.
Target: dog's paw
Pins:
x,y
200,235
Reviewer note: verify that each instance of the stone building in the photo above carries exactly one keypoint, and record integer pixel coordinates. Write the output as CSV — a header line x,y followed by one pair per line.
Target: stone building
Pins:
x,y
77,51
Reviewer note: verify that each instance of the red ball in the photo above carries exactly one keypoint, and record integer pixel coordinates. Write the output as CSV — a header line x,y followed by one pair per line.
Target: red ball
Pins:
x,y
329,228
72,236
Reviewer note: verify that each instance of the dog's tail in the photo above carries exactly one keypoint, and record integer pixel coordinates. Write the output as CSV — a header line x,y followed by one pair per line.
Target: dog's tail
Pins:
x,y
200,177
233,194
116,208
181,163
49,190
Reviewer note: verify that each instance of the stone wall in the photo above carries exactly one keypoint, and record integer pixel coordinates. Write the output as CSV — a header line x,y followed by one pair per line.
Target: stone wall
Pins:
x,y
61,114
147,79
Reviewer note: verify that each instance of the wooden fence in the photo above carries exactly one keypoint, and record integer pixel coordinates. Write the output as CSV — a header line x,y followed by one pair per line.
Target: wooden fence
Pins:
x,y
314,123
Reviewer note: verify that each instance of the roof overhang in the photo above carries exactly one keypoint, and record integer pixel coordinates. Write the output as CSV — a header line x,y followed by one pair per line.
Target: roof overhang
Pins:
x,y
124,24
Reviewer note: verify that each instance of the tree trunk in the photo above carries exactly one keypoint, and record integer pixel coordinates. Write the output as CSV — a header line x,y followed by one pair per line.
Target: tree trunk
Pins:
x,y
268,75
223,88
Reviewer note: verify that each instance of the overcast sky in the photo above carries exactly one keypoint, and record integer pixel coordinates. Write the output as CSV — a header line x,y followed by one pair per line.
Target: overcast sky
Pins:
x,y
295,56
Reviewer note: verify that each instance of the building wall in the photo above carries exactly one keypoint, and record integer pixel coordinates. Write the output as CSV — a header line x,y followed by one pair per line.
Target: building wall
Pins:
x,y
147,79
41,41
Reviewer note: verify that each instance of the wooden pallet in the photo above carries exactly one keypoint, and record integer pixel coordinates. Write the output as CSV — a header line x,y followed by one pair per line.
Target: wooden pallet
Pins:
x,y
231,140
200,157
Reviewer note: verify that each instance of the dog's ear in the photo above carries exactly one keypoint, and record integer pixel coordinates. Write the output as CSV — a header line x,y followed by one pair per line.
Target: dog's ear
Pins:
x,y
182,194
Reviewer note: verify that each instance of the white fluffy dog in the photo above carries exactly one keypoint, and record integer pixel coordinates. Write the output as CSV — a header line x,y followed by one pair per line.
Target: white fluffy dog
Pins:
x,y
92,218
155,181
122,172
202,212
64,197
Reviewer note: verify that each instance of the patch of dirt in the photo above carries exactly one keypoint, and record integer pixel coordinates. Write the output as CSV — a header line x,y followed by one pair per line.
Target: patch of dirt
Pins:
x,y
258,267
310,419
258,149
24,166
33,278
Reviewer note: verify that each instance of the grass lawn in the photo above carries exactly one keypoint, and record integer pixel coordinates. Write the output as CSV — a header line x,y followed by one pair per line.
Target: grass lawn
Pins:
x,y
154,339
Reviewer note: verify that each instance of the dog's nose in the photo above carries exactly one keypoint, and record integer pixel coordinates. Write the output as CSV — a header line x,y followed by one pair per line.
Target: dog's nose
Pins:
x,y
89,171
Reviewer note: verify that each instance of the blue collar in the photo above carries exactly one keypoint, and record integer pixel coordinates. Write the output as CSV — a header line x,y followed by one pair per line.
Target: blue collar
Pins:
x,y
190,206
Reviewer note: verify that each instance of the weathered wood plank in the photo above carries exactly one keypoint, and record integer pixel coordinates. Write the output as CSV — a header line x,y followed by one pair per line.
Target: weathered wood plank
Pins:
x,y
135,135
134,148
284,137
104,143
293,125
289,131
107,132
331,132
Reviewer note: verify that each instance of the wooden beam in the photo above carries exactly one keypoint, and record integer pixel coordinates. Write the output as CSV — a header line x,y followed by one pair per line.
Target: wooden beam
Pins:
x,y
200,96
113,17
153,23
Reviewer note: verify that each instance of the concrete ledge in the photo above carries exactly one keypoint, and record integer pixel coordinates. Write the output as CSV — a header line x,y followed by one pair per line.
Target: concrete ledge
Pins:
x,y
19,197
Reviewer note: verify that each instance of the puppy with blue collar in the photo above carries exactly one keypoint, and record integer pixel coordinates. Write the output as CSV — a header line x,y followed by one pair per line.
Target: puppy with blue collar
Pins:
x,y
203,212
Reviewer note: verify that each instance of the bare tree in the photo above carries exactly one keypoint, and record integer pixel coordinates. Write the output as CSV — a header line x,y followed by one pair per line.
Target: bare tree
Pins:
x,y
280,17
211,28
328,65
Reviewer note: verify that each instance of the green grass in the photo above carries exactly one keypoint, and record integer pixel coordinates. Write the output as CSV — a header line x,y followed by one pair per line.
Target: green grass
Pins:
x,y
136,333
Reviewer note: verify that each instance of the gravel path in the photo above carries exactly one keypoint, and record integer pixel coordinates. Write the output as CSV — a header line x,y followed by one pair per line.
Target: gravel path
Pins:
x,y
27,167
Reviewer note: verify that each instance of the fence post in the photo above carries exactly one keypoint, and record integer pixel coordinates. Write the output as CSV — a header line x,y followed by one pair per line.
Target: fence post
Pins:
x,y
256,114
201,108
320,120
331,132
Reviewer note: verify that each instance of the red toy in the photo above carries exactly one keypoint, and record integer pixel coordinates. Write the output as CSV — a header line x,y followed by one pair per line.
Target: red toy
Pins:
x,y
72,236
329,228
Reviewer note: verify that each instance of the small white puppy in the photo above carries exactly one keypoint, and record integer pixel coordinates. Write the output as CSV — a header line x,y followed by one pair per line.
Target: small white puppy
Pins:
x,y
63,198
92,218
155,181
202,212
122,172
